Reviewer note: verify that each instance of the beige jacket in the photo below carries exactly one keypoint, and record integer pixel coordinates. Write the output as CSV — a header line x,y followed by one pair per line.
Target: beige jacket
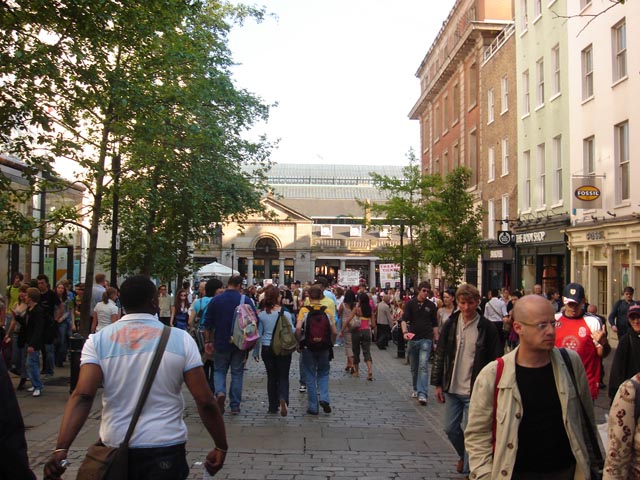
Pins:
x,y
482,462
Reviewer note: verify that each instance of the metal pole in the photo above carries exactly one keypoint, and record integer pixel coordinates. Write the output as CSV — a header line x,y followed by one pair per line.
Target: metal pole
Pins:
x,y
401,344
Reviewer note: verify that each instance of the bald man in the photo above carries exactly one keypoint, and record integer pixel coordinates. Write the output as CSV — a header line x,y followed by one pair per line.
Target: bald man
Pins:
x,y
538,420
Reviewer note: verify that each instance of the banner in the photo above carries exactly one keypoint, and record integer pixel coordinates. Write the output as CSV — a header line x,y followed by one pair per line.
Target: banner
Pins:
x,y
348,278
389,275
587,192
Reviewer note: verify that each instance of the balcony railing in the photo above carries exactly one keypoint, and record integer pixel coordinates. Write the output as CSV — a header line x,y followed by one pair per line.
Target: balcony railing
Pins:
x,y
352,244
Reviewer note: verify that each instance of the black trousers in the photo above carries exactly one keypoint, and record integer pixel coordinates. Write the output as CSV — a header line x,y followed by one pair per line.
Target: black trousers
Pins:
x,y
384,334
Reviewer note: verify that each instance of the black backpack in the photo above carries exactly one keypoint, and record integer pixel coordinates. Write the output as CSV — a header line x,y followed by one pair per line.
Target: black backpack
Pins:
x,y
316,329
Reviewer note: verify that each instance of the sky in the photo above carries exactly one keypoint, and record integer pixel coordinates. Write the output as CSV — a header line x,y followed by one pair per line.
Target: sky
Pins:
x,y
342,73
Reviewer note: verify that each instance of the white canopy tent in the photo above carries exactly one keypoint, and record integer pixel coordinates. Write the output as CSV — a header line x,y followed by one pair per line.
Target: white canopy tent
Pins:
x,y
215,269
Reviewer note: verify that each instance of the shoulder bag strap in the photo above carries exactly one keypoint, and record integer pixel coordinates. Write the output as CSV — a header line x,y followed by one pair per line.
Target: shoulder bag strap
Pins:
x,y
594,448
151,374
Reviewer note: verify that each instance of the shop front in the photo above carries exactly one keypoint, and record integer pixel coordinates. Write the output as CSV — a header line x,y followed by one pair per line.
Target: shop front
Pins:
x,y
542,258
497,268
605,258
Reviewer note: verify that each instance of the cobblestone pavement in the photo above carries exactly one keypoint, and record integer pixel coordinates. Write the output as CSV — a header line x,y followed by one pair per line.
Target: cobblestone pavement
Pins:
x,y
376,431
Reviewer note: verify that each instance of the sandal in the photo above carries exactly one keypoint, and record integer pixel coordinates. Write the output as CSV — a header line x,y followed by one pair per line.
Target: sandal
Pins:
x,y
355,374
370,377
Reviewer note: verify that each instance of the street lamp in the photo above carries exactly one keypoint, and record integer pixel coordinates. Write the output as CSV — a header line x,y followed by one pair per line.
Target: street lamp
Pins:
x,y
233,251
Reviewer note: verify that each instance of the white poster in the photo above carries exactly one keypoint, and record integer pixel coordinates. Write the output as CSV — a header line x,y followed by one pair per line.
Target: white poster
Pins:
x,y
389,275
348,278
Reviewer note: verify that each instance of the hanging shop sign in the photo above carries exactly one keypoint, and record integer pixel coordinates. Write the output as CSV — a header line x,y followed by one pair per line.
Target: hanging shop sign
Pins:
x,y
587,192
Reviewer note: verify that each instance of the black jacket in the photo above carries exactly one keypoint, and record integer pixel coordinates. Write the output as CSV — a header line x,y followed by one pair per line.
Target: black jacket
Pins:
x,y
487,350
35,327
626,361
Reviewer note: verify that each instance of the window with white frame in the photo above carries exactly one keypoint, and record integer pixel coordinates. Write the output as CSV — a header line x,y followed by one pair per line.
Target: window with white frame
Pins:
x,y
524,17
589,155
537,8
587,72
456,102
557,169
504,94
555,59
446,121
526,101
473,85
491,219
526,194
619,43
540,82
505,156
490,106
491,176
542,176
473,157
622,160
505,212
456,155
437,122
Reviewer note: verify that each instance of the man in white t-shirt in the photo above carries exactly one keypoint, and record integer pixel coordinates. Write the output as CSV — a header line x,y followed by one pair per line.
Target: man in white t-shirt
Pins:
x,y
117,357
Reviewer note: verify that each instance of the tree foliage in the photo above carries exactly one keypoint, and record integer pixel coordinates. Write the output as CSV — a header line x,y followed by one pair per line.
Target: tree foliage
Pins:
x,y
143,82
441,218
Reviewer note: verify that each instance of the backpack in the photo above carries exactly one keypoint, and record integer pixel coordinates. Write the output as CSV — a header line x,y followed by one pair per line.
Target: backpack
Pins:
x,y
245,326
283,338
316,333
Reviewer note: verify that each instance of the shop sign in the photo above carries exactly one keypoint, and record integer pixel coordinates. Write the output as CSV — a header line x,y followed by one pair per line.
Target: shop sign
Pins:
x,y
505,237
496,254
587,192
596,235
532,237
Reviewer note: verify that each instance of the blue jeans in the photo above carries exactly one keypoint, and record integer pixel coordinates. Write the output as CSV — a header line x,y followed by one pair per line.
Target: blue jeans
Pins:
x,y
316,369
419,353
456,416
33,369
222,361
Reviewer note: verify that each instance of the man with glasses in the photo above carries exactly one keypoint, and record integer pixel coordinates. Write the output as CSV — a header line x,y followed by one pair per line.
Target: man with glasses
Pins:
x,y
420,328
525,422
583,333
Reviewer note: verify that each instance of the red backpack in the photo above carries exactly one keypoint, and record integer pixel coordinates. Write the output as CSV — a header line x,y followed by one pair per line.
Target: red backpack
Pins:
x,y
316,330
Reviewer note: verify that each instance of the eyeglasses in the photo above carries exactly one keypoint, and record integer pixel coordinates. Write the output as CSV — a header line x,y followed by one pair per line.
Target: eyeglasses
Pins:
x,y
541,326
633,319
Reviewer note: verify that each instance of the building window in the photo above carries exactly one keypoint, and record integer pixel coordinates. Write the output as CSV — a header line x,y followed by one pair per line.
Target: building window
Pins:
x,y
456,155
446,121
540,82
542,176
505,212
619,43
526,107
456,103
425,133
473,85
555,58
437,122
557,168
622,160
491,219
537,9
490,106
589,155
504,95
473,157
505,156
584,3
526,197
445,161
587,72
492,165
524,16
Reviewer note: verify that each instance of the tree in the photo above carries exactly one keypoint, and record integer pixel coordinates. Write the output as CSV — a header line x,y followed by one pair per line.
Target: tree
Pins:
x,y
406,210
453,239
443,222
96,81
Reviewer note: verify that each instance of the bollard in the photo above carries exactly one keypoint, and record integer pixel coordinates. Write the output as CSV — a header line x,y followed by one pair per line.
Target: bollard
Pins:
x,y
76,342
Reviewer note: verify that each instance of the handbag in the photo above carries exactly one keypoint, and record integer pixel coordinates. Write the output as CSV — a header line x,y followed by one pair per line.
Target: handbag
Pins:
x,y
111,463
355,323
596,460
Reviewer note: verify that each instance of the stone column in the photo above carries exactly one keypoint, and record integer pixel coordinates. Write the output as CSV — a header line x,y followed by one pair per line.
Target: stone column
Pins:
x,y
372,273
343,264
249,271
281,271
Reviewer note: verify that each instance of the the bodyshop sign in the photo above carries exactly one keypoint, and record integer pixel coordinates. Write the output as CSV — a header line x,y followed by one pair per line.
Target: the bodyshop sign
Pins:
x,y
532,237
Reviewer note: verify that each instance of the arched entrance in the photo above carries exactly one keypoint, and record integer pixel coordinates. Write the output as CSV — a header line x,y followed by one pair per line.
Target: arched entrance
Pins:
x,y
266,263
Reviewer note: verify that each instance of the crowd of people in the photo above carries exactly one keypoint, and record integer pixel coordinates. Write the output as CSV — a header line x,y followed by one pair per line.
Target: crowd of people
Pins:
x,y
517,373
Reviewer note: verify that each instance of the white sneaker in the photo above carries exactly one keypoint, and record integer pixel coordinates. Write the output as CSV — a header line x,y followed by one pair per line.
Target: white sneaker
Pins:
x,y
302,389
36,392
31,389
414,394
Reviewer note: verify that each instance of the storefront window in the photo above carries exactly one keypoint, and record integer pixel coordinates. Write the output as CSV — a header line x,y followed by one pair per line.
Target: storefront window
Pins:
x,y
552,273
528,269
620,274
